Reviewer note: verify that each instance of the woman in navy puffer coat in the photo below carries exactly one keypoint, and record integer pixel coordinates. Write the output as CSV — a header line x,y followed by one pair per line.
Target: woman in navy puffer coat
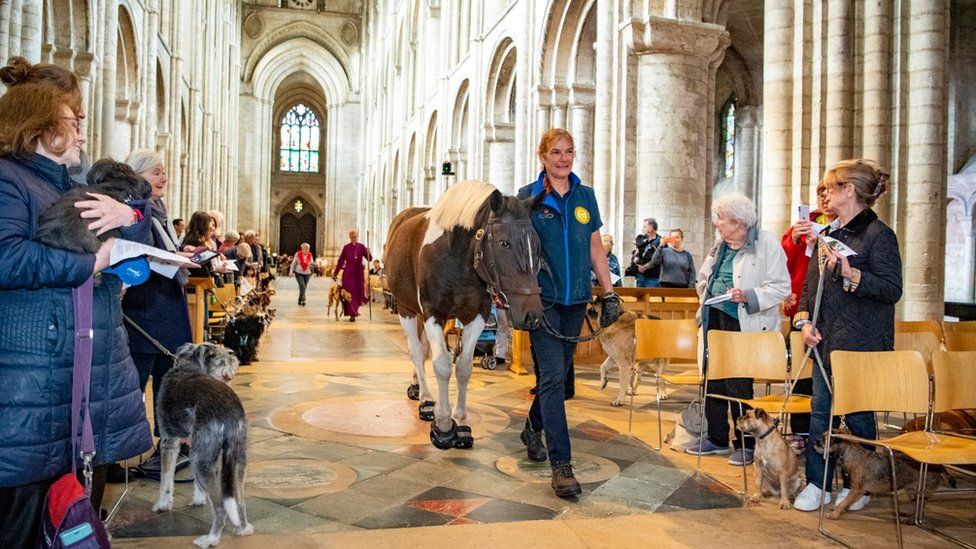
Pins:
x,y
37,330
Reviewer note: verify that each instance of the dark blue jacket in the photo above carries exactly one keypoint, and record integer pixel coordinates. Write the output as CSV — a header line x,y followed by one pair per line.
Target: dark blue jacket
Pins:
x,y
565,225
37,339
159,307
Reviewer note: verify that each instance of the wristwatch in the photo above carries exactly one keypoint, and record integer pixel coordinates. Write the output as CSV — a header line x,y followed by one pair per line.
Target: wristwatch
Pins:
x,y
799,323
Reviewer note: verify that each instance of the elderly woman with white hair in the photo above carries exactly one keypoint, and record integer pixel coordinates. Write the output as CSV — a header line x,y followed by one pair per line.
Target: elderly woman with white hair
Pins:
x,y
749,265
159,306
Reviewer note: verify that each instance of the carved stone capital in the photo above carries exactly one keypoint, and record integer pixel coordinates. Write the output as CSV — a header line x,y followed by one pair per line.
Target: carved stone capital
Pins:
x,y
581,96
662,35
500,132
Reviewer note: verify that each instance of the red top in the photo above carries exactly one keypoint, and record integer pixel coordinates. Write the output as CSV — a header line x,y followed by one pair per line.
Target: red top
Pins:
x,y
304,259
797,262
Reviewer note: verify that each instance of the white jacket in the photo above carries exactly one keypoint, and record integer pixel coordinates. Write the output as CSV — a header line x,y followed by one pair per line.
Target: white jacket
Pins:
x,y
759,269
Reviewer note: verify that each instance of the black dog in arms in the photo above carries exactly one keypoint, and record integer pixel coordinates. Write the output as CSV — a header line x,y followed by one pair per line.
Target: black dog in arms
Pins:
x,y
61,225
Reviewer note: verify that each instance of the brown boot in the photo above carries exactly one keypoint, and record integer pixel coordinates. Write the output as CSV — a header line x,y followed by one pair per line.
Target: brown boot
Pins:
x,y
564,483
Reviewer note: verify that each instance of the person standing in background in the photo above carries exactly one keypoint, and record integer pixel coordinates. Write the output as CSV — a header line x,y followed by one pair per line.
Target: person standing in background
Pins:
x,y
640,263
676,264
301,265
179,226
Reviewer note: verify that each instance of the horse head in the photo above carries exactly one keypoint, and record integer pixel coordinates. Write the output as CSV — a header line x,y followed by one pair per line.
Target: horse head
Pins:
x,y
508,260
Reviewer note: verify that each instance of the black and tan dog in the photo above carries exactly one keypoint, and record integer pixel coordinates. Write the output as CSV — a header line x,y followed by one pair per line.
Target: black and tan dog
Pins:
x,y
61,224
777,472
870,471
196,403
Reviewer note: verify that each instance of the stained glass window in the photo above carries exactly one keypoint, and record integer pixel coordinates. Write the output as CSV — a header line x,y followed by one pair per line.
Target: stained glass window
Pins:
x,y
299,140
728,137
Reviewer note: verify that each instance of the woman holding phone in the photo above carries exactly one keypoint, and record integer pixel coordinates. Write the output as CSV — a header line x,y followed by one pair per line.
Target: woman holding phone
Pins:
x,y
676,264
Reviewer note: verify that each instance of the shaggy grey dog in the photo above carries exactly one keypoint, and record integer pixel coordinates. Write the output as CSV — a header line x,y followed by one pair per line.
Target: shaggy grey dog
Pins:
x,y
195,402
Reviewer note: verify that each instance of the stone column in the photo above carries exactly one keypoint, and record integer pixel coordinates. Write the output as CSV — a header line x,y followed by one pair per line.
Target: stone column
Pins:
x,y
4,34
777,116
110,37
838,144
581,124
674,61
543,122
924,228
560,96
30,35
602,175
746,151
876,95
14,26
501,157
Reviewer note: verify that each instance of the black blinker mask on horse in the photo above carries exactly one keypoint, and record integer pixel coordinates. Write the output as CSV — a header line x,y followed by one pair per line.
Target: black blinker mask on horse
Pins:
x,y
507,259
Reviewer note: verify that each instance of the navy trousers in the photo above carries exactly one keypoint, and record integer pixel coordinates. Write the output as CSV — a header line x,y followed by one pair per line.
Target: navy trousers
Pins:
x,y
555,360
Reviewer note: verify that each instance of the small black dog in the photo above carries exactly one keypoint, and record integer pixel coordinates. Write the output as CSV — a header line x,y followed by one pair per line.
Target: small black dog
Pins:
x,y
195,402
61,225
242,335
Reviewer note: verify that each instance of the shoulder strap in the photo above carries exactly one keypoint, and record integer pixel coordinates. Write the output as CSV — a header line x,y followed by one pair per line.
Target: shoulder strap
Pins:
x,y
82,297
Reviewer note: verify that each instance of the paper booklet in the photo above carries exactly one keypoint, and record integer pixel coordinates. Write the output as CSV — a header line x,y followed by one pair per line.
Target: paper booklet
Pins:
x,y
246,286
161,261
837,246
718,299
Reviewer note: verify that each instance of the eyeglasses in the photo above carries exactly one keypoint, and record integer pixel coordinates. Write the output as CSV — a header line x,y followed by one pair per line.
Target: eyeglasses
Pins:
x,y
75,121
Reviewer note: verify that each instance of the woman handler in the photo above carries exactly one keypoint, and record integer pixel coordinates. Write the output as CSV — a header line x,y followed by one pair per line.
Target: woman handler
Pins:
x,y
567,219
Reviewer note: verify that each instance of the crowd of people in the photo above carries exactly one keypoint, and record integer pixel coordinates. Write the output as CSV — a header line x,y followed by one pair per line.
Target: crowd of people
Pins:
x,y
42,157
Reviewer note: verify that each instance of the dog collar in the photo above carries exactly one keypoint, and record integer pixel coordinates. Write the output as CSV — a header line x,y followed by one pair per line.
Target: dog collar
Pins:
x,y
769,431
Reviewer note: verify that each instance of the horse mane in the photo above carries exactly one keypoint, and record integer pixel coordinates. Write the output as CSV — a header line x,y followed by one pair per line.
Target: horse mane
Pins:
x,y
460,204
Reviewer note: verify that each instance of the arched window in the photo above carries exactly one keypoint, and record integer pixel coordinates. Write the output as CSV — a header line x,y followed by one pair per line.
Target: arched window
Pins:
x,y
728,137
299,140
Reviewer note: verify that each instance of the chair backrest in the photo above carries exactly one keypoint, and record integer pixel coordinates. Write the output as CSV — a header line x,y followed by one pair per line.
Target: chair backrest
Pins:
x,y
961,341
672,339
225,296
955,380
882,381
746,354
912,326
924,342
965,326
797,351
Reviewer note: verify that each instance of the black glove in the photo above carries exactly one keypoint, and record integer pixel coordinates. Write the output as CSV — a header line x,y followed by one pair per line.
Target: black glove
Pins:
x,y
610,309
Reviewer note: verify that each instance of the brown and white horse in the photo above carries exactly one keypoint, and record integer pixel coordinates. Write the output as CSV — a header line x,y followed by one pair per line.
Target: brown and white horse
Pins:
x,y
475,246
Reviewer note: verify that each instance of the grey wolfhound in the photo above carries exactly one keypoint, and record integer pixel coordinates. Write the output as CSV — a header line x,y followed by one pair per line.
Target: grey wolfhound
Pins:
x,y
195,402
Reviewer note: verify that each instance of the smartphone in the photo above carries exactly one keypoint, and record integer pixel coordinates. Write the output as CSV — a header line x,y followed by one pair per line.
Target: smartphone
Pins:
x,y
803,212
203,256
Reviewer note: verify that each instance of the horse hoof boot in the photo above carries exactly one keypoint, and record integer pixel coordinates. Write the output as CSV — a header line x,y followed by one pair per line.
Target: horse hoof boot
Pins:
x,y
464,439
426,410
413,392
443,441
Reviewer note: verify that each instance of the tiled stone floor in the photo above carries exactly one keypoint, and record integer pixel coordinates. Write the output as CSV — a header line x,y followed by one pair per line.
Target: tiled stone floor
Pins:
x,y
335,446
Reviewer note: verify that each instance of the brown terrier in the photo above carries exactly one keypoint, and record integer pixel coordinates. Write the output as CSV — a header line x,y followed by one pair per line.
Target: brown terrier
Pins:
x,y
777,473
870,471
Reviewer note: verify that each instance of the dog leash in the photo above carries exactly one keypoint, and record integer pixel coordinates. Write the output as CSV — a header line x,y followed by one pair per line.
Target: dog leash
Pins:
x,y
151,339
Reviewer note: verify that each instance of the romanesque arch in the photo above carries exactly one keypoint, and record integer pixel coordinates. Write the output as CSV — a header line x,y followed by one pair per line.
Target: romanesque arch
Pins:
x,y
431,163
459,132
500,117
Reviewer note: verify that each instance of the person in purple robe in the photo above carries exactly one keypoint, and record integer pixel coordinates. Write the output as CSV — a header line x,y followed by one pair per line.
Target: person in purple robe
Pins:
x,y
353,274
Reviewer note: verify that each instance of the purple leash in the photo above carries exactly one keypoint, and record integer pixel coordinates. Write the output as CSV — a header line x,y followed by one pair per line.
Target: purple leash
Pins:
x,y
81,382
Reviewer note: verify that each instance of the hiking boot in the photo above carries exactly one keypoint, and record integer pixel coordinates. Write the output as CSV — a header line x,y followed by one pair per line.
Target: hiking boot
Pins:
x,y
533,443
564,483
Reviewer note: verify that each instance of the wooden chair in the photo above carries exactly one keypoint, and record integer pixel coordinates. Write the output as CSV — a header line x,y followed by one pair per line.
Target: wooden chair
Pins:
x,y
925,342
667,340
896,381
914,326
758,355
960,341
966,326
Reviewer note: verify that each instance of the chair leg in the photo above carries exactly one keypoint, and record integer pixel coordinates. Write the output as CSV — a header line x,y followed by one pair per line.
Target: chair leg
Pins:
x,y
894,497
701,426
745,468
920,510
660,428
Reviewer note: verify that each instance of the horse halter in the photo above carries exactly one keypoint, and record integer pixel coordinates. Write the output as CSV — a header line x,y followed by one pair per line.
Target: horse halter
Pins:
x,y
526,259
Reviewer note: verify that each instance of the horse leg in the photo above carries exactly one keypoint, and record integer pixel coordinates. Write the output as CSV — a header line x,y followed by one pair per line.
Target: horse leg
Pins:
x,y
464,366
443,431
419,390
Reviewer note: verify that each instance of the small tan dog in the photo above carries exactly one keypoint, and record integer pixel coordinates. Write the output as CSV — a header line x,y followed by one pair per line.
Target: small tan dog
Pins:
x,y
777,473
870,471
337,296
618,341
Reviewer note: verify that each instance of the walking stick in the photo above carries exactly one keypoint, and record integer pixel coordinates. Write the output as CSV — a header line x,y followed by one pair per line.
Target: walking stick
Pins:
x,y
369,289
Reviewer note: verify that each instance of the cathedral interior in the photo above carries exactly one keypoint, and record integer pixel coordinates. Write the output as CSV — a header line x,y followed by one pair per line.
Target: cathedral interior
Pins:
x,y
304,119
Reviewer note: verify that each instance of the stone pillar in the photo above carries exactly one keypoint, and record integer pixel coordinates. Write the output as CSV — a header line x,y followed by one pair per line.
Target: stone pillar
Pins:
x,y
501,157
876,95
674,61
777,116
602,175
924,228
110,36
30,35
581,124
746,150
13,29
4,34
838,144
560,96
